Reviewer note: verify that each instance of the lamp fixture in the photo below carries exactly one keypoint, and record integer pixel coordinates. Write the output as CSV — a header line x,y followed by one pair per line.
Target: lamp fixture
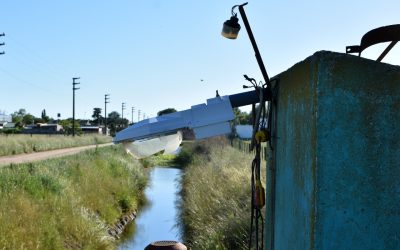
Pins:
x,y
231,27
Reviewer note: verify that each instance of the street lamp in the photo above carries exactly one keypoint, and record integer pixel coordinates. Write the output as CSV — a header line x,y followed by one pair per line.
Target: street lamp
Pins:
x,y
231,29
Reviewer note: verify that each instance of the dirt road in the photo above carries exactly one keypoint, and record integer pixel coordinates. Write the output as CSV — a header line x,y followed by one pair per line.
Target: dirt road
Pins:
x,y
39,156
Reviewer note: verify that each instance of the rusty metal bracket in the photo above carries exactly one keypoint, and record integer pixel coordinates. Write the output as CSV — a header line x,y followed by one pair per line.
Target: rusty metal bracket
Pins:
x,y
383,34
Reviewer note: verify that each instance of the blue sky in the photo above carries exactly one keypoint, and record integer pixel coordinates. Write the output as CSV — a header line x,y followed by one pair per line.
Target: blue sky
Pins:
x,y
153,54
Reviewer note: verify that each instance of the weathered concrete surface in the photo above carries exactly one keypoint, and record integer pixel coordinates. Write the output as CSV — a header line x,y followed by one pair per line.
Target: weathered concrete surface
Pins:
x,y
338,155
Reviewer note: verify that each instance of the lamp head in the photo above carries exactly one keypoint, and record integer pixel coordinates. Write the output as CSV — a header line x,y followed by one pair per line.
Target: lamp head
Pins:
x,y
231,28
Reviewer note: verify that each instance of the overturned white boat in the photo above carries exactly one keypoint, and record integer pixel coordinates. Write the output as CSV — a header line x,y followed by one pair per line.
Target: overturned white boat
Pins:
x,y
166,132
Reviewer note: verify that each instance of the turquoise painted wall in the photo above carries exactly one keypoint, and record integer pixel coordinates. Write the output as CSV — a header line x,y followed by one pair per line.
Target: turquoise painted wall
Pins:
x,y
337,155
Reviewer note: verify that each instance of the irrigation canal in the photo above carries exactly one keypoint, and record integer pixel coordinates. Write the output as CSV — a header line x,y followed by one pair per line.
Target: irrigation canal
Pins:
x,y
157,220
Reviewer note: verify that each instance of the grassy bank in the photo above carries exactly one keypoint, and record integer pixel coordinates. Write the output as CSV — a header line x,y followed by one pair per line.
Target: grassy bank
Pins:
x,y
20,144
216,195
68,202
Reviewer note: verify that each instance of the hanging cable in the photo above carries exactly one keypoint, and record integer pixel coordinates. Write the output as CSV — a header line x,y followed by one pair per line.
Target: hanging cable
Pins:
x,y
260,134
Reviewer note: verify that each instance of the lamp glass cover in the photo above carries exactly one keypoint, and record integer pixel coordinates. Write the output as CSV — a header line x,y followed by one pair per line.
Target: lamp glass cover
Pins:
x,y
231,28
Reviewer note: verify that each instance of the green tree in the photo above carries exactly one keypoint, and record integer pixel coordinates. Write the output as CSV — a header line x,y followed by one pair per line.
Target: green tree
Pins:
x,y
37,120
97,115
116,123
44,116
241,117
17,117
28,119
112,122
67,127
166,111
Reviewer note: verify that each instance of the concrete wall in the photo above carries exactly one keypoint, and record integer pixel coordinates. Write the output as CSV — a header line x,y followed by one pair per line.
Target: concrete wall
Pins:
x,y
337,155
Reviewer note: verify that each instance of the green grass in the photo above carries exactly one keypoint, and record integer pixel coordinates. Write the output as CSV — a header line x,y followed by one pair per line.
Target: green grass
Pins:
x,y
70,201
20,144
215,209
160,160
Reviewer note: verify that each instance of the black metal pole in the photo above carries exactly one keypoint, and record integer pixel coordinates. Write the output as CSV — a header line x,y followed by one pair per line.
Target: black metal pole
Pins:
x,y
73,102
253,42
247,98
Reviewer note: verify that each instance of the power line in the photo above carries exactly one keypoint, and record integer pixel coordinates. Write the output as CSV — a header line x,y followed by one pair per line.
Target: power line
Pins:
x,y
18,79
37,57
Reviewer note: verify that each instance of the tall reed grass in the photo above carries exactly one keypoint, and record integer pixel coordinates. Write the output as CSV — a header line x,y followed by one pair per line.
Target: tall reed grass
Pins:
x,y
20,144
215,206
68,202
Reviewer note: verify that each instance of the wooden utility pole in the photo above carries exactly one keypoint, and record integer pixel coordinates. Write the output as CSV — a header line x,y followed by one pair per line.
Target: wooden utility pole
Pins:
x,y
73,102
106,100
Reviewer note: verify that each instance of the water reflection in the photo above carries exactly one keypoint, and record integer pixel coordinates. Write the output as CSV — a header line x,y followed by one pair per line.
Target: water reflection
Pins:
x,y
157,220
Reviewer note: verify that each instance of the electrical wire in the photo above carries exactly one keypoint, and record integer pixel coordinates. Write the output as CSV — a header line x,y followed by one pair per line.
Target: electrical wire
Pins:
x,y
18,79
34,56
257,191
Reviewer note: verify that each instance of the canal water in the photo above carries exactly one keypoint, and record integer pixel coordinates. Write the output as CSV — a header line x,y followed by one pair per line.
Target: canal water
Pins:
x,y
158,219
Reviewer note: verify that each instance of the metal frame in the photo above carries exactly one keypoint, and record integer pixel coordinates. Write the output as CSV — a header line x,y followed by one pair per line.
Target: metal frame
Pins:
x,y
383,34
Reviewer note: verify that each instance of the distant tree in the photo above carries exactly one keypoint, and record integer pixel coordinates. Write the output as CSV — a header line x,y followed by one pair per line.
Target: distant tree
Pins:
x,y
67,127
17,117
113,116
28,119
112,122
97,115
44,116
116,123
37,120
241,117
166,111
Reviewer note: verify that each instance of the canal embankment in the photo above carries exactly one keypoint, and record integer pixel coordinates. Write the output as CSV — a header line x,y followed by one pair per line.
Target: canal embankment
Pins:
x,y
87,200
215,208
69,202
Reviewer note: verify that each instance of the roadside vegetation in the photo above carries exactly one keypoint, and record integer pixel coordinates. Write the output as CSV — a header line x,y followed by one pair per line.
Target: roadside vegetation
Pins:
x,y
215,206
20,143
68,202
159,160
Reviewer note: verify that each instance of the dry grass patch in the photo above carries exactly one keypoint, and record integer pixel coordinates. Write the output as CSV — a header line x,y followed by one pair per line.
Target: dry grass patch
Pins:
x,y
21,144
216,196
68,202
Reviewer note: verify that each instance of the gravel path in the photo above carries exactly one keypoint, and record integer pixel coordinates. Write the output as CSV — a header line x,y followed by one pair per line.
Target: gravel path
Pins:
x,y
39,156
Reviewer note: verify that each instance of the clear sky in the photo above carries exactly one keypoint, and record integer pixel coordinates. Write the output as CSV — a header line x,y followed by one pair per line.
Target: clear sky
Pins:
x,y
157,54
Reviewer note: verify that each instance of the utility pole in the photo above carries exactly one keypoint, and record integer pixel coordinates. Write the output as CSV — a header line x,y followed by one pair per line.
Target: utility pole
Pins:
x,y
2,44
73,102
138,115
144,116
106,100
123,108
133,110
122,113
